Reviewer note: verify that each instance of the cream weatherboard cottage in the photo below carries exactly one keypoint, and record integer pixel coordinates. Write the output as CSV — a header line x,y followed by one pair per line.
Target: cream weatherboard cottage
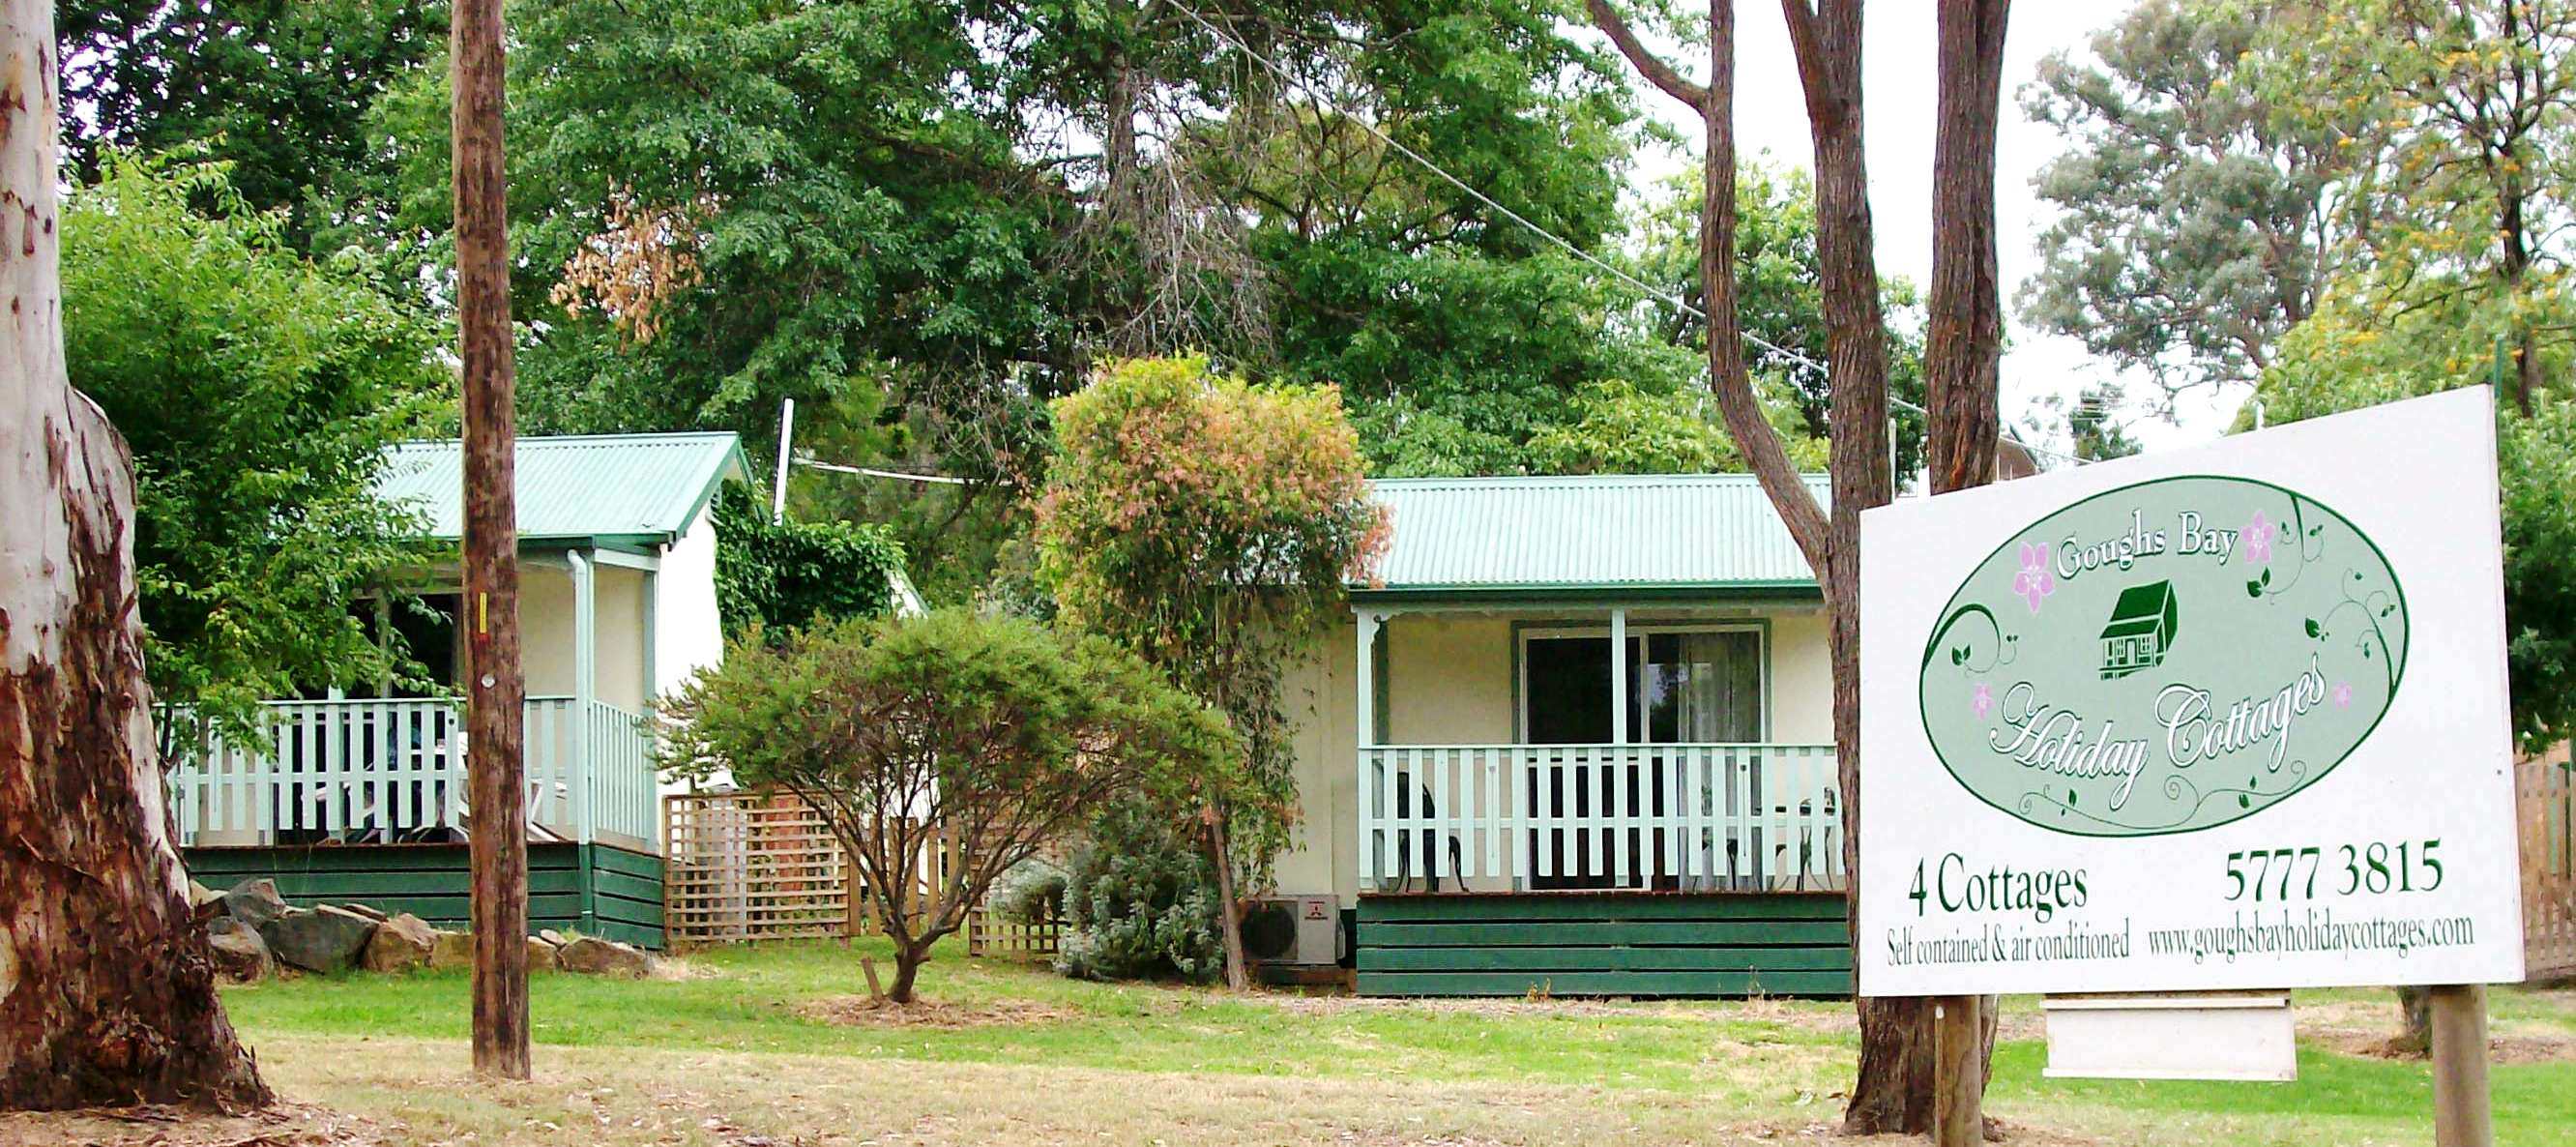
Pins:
x,y
352,797
1578,739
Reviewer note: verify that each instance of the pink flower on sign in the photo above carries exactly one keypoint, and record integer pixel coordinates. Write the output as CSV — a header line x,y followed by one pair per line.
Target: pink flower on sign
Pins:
x,y
2034,581
1982,699
2343,694
2258,538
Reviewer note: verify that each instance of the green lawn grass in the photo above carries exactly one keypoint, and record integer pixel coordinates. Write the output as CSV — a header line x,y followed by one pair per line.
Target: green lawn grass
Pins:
x,y
1771,1060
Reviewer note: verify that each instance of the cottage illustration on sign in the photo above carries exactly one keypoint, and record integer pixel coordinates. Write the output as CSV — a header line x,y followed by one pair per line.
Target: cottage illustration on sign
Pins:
x,y
2058,689
2143,624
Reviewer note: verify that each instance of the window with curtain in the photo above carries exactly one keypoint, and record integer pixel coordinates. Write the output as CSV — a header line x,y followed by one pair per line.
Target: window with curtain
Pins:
x,y
1696,688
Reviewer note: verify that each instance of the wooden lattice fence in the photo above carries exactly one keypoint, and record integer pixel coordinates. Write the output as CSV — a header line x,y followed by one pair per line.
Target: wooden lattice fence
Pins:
x,y
763,865
2545,791
751,866
988,934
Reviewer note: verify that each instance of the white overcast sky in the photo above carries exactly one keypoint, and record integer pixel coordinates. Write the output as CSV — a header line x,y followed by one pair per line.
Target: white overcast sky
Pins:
x,y
1897,86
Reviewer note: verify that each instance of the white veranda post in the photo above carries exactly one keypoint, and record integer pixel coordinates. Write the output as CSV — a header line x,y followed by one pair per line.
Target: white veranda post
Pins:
x,y
1365,716
585,689
1618,677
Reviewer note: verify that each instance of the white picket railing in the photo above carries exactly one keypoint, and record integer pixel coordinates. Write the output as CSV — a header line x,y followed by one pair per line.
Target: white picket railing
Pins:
x,y
1681,817
389,771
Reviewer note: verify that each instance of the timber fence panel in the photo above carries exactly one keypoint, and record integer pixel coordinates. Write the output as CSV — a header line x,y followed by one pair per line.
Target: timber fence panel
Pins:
x,y
751,866
2545,798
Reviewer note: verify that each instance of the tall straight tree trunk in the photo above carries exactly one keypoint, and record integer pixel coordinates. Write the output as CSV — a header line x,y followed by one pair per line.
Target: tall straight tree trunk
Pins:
x,y
1964,347
1894,1091
107,992
496,693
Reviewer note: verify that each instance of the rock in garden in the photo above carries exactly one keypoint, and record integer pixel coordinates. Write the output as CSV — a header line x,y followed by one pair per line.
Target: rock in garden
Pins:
x,y
240,955
325,939
541,953
369,911
452,950
199,896
255,902
551,936
594,956
400,944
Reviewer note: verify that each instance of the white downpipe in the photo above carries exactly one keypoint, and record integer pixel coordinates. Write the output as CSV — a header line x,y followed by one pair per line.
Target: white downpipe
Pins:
x,y
1366,718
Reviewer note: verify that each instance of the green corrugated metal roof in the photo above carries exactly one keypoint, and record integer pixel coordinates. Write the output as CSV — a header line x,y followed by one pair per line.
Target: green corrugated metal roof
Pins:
x,y
1587,534
577,486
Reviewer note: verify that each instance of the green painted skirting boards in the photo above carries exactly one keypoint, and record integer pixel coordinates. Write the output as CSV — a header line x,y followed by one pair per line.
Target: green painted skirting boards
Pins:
x,y
594,889
1613,944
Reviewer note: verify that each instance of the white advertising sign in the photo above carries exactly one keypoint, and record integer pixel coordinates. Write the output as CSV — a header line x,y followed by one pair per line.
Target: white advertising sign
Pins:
x,y
2226,717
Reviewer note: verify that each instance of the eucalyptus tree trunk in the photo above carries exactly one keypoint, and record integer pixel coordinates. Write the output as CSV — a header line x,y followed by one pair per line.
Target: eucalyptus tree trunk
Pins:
x,y
1894,1092
107,991
1964,348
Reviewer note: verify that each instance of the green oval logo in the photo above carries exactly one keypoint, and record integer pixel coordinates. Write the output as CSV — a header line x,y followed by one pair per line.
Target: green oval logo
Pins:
x,y
2163,658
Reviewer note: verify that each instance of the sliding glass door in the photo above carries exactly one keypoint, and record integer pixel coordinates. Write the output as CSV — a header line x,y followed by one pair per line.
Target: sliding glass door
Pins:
x,y
1686,684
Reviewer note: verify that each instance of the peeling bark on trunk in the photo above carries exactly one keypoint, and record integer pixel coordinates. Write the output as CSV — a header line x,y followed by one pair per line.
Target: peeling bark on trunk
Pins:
x,y
107,992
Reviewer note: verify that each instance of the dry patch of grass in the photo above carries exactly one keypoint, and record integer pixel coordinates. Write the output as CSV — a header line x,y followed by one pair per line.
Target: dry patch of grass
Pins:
x,y
868,1011
286,1125
2368,1027
418,1092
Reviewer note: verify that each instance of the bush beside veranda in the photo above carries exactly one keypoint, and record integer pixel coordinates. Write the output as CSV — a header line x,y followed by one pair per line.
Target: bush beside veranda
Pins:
x,y
901,731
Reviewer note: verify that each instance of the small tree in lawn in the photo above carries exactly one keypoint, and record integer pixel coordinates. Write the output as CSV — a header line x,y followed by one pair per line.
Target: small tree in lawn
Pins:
x,y
902,731
1209,525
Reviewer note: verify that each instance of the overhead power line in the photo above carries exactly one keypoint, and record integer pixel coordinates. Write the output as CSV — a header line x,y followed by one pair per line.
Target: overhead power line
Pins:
x,y
1642,287
810,462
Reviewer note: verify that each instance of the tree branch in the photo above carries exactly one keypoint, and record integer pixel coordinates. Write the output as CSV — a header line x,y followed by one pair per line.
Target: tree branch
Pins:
x,y
1657,72
1737,403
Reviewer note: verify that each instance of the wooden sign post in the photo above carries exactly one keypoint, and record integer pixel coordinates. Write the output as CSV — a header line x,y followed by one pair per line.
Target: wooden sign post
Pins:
x,y
2460,1114
1958,1072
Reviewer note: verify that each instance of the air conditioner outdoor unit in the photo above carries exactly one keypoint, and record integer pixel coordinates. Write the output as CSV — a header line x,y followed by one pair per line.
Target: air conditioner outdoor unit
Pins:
x,y
1293,930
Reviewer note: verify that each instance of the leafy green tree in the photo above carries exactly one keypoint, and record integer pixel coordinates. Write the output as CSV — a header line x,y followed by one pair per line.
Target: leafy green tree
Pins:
x,y
1210,525
903,733
259,392
2465,131
716,217
2231,160
719,205
1779,301
1458,360
280,89
1613,428
2194,222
